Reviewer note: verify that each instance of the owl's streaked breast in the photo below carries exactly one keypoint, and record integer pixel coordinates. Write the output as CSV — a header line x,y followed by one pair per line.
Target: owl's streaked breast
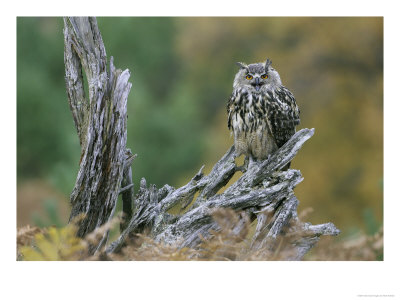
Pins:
x,y
247,119
262,113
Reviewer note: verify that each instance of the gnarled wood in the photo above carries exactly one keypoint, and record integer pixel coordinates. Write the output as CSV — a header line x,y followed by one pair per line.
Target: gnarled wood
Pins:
x,y
100,121
261,188
263,192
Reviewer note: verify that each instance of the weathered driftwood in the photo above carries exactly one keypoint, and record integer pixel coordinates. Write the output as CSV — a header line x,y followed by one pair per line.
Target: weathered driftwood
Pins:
x,y
263,192
260,190
100,122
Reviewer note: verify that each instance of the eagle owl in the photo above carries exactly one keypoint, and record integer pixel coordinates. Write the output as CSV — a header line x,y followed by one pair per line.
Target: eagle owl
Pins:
x,y
262,113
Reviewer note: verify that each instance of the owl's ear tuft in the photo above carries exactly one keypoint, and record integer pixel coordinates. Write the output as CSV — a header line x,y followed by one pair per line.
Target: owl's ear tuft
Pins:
x,y
242,65
268,63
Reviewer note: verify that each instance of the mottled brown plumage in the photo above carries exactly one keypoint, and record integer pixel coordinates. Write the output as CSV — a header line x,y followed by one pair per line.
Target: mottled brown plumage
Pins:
x,y
262,113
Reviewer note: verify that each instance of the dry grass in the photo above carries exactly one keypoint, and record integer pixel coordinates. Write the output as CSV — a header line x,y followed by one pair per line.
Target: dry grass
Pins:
x,y
361,247
232,242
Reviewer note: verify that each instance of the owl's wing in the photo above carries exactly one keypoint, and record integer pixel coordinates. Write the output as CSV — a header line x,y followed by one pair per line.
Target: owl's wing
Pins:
x,y
230,108
283,114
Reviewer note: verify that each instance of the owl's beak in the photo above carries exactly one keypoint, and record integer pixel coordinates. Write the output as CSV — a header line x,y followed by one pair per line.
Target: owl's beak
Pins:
x,y
257,84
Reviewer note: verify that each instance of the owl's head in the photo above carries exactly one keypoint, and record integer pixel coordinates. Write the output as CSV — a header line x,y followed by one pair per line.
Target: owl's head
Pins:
x,y
257,77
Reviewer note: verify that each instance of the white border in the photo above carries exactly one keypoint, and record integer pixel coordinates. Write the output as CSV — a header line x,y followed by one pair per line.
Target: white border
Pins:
x,y
201,280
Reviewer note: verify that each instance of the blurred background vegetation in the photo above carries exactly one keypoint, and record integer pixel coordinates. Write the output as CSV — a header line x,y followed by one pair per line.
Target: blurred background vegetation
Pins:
x,y
182,73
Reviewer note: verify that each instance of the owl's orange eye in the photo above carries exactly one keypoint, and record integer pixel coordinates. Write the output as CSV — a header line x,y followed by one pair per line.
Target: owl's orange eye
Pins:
x,y
249,77
264,76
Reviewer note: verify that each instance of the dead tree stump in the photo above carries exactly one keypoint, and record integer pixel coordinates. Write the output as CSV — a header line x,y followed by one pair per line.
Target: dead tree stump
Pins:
x,y
263,192
100,122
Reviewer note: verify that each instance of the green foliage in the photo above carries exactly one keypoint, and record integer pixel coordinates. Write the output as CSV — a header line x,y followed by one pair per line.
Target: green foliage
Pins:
x,y
45,129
